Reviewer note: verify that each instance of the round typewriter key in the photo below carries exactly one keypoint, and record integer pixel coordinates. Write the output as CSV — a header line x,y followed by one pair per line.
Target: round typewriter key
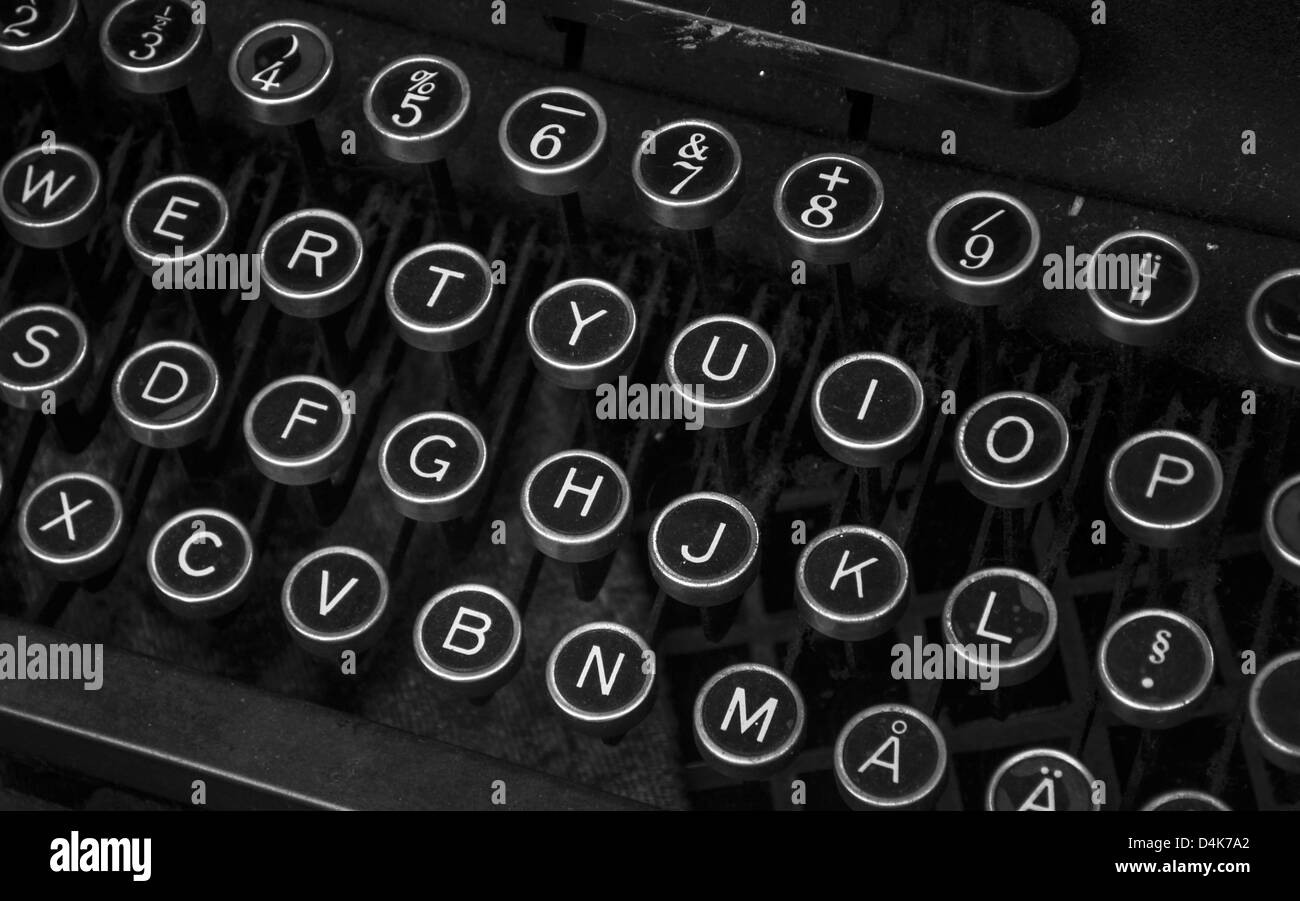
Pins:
x,y
1001,619
868,409
470,638
1275,710
1040,779
1273,323
554,140
599,679
1140,284
749,721
73,525
201,563
153,46
50,197
852,583
419,108
1011,449
433,465
335,599
724,366
1185,799
283,72
1282,530
982,247
43,348
440,297
175,219
311,263
36,34
688,174
576,505
890,757
166,394
582,333
704,549
299,430
1155,667
828,207
1162,488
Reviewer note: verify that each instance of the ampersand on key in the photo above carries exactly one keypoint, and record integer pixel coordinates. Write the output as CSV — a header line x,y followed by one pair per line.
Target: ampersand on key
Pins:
x,y
694,148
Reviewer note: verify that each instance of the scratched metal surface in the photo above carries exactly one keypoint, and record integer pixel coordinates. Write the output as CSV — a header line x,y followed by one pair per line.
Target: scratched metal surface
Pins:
x,y
946,533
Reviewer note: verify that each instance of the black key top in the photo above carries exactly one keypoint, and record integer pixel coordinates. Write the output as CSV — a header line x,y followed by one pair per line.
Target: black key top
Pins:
x,y
312,268
154,46
172,224
1162,488
284,73
470,638
868,409
201,563
1155,667
1140,286
174,213
583,333
890,757
1275,710
45,361
749,721
299,430
577,508
1273,324
419,108
983,248
688,176
852,583
73,525
726,367
555,141
1041,779
335,600
312,262
829,207
43,348
1003,612
166,394
1011,449
704,549
433,465
440,297
37,34
1185,799
51,197
158,47
601,678
1281,532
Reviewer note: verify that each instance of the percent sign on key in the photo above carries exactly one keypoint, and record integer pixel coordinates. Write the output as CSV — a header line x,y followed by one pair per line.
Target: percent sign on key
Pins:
x,y
421,87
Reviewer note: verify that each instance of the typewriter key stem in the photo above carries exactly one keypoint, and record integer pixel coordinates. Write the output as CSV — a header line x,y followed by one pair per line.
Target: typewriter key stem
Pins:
x,y
185,126
311,155
716,621
447,205
574,226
